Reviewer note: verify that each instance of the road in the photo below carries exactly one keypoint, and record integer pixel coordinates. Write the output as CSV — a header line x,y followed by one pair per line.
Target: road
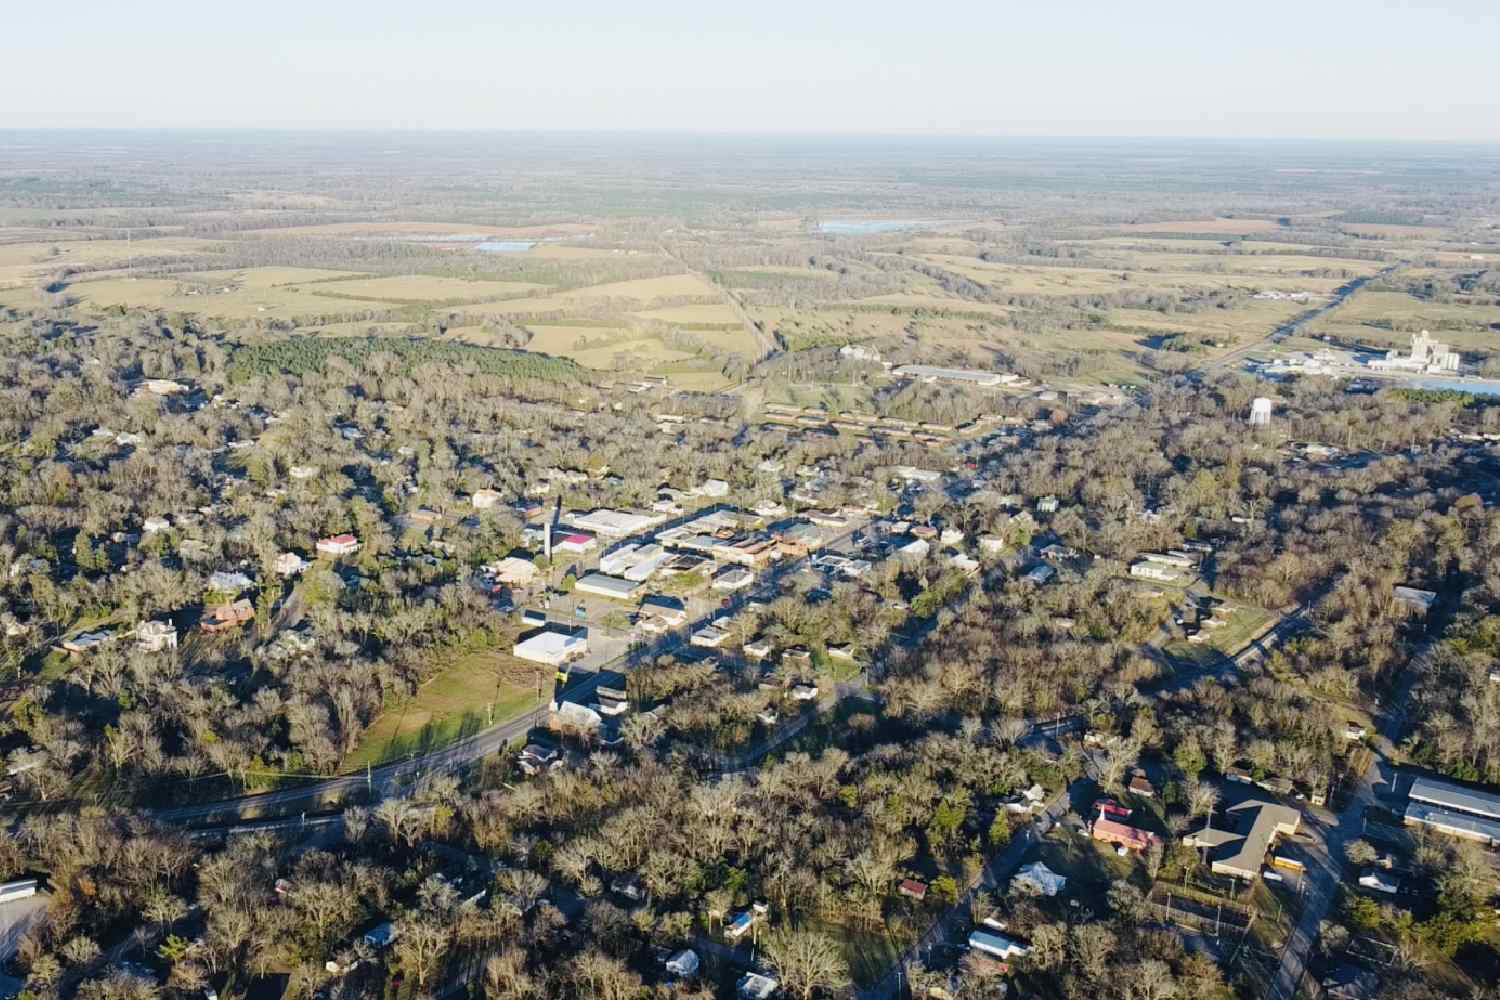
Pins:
x,y
1291,326
388,779
1325,854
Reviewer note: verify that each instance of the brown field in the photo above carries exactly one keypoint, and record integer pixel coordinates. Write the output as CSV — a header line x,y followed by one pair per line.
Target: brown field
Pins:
x,y
423,288
1227,226
24,263
1467,327
909,300
638,355
554,251
688,316
1392,231
423,229
267,277
651,289
283,302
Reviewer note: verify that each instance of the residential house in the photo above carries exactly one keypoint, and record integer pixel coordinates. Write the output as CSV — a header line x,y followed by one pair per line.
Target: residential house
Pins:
x,y
153,524
338,545
85,641
226,582
224,617
289,564
1109,830
155,636
485,499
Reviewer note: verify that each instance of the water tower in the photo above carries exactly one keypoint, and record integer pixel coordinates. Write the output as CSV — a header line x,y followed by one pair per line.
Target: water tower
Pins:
x,y
1260,412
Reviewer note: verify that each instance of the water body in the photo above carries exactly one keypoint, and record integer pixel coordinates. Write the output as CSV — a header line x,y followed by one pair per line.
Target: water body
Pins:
x,y
1477,386
870,227
504,246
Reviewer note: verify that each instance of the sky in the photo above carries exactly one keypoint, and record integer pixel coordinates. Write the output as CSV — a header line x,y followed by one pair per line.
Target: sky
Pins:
x,y
1368,69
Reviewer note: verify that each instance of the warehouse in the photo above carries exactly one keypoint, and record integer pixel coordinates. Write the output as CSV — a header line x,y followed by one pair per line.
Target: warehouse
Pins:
x,y
608,586
551,648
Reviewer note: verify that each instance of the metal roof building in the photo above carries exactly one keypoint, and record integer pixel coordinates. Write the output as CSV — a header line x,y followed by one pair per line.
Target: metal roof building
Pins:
x,y
1446,795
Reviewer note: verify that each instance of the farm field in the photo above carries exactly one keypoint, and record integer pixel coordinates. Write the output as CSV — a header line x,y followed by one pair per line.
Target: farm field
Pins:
x,y
1228,227
421,229
650,289
282,302
696,315
268,277
453,704
23,263
1389,318
422,288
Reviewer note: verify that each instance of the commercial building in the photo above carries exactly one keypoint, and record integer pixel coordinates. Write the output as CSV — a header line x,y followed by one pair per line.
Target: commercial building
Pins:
x,y
551,648
1427,355
608,586
1454,797
1241,851
613,523
933,373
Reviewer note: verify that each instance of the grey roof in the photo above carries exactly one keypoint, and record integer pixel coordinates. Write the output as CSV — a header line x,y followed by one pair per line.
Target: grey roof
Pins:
x,y
1452,822
1451,796
612,585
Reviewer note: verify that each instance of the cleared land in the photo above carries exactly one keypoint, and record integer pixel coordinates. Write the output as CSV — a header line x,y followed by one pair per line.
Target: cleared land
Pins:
x,y
407,288
453,704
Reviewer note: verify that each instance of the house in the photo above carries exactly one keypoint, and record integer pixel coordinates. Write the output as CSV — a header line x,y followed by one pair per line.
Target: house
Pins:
x,y
156,636
1039,574
224,582
85,641
608,586
739,925
758,649
551,647
684,964
1112,831
754,986
912,889
303,472
997,945
338,545
845,653
153,524
1379,881
1139,785
1354,731
1240,852
485,499
536,758
708,637
1047,505
1037,878
733,578
226,616
805,692
288,564
1145,570
1413,600
381,936
670,610
513,571
712,488
577,542
914,550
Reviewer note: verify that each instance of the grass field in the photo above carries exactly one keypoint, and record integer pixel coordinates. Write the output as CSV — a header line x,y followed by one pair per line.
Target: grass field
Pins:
x,y
651,289
423,288
1225,640
700,315
423,229
23,263
258,278
479,690
1227,227
282,302
1465,326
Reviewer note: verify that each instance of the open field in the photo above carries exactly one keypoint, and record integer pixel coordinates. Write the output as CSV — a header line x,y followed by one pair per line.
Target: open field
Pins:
x,y
365,328
1225,640
25,263
282,302
267,277
395,229
651,289
1389,318
697,315
407,288
455,702
1228,227
641,354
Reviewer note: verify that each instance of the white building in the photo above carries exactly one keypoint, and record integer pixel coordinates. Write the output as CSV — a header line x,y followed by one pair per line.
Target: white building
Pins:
x,y
513,571
485,499
1260,412
1427,355
153,637
551,648
289,564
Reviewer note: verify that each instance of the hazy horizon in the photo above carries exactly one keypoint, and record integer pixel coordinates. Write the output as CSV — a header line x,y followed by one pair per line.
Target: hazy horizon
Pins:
x,y
1337,70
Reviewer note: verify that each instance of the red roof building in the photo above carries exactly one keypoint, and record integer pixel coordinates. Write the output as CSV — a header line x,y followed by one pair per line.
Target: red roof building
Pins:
x,y
1131,838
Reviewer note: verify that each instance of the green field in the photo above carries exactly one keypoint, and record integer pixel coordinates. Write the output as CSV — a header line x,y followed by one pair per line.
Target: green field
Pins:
x,y
478,690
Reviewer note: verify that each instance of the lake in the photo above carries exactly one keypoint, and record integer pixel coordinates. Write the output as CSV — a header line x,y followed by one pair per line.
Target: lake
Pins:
x,y
1478,386
870,227
504,246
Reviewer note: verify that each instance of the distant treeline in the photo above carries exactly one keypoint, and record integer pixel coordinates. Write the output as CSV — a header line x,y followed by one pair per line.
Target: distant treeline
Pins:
x,y
303,355
1448,396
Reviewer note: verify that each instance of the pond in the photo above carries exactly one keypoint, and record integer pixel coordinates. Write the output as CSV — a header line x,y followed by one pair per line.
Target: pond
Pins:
x,y
504,246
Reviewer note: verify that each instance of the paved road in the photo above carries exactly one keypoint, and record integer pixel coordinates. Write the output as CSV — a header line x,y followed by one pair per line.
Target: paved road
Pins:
x,y
391,778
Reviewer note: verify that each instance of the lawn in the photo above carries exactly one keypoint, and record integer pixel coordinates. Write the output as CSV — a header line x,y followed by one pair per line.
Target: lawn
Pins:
x,y
1226,640
478,690
423,288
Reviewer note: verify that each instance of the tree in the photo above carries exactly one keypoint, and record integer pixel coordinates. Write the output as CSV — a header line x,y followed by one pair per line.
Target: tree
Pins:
x,y
807,961
421,942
